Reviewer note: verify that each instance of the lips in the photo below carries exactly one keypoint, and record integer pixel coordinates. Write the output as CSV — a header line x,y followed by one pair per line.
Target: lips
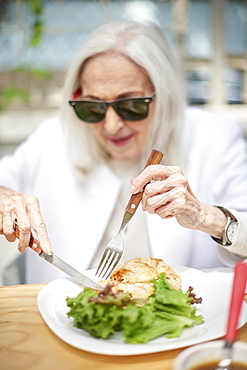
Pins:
x,y
121,141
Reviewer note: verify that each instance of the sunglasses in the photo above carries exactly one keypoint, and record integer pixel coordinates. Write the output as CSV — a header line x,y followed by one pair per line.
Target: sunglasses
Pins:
x,y
133,109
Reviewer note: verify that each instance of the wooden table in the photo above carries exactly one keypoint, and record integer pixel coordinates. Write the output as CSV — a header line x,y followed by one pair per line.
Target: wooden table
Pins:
x,y
26,342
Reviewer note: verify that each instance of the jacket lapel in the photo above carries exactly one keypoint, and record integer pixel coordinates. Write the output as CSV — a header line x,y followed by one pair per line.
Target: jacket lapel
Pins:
x,y
95,203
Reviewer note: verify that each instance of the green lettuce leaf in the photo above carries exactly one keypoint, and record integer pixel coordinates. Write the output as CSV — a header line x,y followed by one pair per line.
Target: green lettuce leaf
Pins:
x,y
167,312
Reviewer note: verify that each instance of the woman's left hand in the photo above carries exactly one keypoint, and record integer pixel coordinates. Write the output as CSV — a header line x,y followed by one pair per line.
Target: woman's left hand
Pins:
x,y
168,194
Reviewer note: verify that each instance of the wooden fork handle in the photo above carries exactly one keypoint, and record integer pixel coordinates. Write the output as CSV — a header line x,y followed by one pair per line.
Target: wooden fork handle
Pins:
x,y
33,244
154,158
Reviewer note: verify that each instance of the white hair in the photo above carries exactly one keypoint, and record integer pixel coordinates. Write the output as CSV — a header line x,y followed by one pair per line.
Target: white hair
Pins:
x,y
146,46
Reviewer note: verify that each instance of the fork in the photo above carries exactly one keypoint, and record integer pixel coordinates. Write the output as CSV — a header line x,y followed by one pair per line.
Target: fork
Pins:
x,y
114,249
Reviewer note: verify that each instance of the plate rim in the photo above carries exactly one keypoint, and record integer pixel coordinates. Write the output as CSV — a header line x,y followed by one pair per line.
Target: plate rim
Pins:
x,y
122,349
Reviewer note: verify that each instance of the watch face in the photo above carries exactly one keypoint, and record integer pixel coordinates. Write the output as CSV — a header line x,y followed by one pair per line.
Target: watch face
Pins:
x,y
231,231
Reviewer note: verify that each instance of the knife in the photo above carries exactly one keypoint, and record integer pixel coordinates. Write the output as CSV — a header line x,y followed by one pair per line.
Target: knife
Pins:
x,y
56,261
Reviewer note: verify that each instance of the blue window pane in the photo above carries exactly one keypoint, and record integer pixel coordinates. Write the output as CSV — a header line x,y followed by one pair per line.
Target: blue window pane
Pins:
x,y
198,87
236,27
233,85
199,36
66,16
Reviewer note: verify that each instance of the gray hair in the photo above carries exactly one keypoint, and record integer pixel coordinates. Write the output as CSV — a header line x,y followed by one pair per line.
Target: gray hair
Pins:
x,y
146,46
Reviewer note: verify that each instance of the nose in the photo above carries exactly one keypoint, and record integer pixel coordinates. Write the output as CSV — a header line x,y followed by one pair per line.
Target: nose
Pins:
x,y
113,122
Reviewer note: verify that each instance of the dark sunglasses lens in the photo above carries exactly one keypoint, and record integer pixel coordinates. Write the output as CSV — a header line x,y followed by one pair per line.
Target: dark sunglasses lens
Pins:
x,y
132,109
90,111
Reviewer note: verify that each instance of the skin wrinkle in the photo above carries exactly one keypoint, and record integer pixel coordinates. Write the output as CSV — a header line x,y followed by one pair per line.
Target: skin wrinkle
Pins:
x,y
25,209
39,224
176,200
17,212
153,173
154,202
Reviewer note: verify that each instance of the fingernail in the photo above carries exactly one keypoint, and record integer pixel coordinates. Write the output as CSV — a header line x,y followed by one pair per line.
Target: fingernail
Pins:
x,y
132,189
49,252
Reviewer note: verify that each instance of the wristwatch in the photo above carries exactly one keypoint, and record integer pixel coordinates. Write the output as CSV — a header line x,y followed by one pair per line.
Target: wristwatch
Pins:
x,y
230,229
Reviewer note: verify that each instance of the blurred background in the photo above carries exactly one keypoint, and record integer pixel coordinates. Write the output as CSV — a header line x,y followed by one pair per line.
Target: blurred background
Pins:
x,y
39,38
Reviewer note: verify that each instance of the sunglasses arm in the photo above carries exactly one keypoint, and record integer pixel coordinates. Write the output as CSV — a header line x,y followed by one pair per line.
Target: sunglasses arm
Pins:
x,y
76,94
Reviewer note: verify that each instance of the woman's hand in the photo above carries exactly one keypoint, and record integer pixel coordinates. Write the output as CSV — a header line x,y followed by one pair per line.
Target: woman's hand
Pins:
x,y
25,210
168,194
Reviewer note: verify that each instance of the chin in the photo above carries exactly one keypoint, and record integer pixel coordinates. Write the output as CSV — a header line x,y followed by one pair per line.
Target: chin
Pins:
x,y
126,156
129,151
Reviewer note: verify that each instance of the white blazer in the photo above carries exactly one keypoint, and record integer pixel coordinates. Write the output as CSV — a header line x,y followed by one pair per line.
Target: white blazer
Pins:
x,y
77,214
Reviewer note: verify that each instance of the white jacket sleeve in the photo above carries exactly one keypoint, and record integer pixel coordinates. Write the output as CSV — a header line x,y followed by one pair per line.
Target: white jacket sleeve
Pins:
x,y
238,250
218,154
231,189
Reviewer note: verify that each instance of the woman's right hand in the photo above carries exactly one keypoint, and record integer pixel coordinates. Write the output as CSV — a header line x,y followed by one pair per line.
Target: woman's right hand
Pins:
x,y
25,211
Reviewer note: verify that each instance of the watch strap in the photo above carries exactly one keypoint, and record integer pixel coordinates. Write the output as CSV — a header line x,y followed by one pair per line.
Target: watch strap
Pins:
x,y
230,217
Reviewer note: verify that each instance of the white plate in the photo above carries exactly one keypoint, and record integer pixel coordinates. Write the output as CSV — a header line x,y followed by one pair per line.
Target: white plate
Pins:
x,y
214,308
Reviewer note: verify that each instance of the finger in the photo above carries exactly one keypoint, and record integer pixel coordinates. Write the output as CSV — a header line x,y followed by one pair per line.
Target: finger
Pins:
x,y
154,203
38,224
41,231
153,189
1,224
9,206
169,203
152,173
24,231
8,225
15,212
170,209
164,212
175,181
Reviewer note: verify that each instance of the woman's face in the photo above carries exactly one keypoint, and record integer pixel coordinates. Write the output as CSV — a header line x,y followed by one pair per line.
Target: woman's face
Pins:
x,y
110,77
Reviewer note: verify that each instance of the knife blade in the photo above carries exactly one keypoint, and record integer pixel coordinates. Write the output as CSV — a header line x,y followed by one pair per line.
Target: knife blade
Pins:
x,y
79,278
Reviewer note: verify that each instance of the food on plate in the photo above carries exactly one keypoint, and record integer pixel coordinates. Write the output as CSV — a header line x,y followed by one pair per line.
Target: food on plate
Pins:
x,y
134,276
167,311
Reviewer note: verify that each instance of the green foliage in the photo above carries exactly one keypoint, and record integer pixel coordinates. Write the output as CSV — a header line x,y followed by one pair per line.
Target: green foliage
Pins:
x,y
37,27
38,73
36,6
12,92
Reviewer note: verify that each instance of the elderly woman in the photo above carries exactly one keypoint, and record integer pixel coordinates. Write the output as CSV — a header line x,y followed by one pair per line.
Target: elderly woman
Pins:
x,y
72,178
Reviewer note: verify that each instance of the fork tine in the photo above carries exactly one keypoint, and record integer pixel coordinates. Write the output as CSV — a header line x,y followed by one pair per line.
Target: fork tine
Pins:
x,y
108,262
109,257
102,261
110,269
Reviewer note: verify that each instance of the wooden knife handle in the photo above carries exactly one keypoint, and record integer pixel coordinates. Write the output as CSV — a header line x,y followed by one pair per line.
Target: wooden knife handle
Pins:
x,y
33,244
154,158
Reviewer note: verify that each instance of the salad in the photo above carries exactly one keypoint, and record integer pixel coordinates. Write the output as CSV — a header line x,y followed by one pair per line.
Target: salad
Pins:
x,y
167,312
